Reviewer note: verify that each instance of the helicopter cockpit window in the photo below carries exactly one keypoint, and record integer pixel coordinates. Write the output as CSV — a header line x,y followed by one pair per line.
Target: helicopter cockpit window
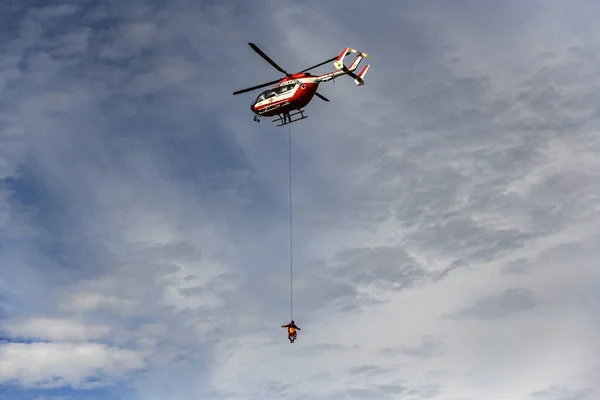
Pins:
x,y
288,87
259,98
267,94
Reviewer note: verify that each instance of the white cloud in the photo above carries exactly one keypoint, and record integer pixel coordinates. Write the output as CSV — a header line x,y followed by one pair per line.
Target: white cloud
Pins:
x,y
73,43
54,329
168,73
49,365
55,11
130,40
86,301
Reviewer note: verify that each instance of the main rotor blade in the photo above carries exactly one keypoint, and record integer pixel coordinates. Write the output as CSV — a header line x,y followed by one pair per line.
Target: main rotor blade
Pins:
x,y
263,55
321,96
323,63
256,87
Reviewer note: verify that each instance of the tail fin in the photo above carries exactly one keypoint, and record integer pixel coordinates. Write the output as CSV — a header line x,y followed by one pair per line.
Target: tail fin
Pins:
x,y
359,80
339,64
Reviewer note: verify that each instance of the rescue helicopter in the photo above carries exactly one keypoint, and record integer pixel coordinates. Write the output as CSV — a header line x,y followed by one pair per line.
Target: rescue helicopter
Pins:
x,y
285,101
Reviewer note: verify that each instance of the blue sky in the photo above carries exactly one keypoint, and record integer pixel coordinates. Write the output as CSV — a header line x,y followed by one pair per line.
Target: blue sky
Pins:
x,y
445,240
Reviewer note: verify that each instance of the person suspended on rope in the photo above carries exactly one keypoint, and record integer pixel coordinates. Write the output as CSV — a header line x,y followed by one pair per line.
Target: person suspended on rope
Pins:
x,y
292,334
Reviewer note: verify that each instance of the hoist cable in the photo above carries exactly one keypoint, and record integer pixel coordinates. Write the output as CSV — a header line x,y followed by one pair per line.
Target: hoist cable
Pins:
x,y
290,225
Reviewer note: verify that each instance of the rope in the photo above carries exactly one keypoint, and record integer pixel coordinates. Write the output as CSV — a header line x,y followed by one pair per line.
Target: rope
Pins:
x,y
290,233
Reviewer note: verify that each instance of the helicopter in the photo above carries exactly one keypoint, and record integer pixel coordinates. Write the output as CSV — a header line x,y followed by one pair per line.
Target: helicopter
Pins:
x,y
285,101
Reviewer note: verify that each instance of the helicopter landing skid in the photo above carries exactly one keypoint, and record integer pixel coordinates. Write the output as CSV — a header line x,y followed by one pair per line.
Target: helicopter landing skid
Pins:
x,y
287,119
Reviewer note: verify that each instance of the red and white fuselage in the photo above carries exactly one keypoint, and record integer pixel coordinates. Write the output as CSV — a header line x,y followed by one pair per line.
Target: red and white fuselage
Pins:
x,y
295,92
290,94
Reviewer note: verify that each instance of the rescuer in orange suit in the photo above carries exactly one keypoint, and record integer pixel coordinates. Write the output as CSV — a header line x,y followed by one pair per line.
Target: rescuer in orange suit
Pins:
x,y
292,334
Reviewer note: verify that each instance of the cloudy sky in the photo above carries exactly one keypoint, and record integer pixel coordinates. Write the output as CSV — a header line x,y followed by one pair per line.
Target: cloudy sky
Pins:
x,y
446,213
